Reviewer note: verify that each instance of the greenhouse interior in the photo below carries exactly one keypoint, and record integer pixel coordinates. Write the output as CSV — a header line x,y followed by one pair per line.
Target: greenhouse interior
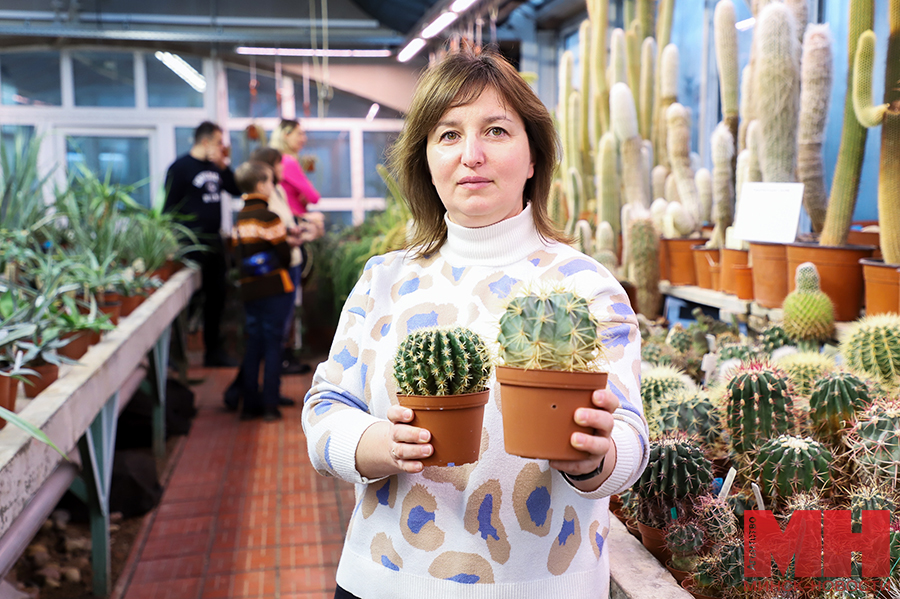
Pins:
x,y
267,271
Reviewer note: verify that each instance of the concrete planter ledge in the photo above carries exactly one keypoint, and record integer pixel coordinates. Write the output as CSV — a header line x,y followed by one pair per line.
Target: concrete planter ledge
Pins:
x,y
633,571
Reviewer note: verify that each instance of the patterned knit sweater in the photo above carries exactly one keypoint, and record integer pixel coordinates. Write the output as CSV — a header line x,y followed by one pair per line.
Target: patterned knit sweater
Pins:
x,y
504,526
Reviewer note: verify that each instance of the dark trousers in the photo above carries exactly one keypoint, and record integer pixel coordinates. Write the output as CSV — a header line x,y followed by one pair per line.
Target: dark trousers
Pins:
x,y
340,593
215,286
265,333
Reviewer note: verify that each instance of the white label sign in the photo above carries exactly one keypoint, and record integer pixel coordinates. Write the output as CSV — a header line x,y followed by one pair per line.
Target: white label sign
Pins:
x,y
769,212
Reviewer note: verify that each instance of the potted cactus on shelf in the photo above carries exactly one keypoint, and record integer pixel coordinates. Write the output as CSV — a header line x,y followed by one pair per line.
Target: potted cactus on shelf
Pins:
x,y
551,352
442,374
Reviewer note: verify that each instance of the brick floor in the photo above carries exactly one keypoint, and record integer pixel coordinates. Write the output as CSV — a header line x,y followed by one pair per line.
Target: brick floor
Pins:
x,y
243,514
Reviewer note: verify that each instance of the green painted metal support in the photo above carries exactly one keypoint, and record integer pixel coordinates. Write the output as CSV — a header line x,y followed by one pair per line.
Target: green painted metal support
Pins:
x,y
97,447
159,371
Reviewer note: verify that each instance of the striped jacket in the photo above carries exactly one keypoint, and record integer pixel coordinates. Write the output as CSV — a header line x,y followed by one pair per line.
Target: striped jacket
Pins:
x,y
259,231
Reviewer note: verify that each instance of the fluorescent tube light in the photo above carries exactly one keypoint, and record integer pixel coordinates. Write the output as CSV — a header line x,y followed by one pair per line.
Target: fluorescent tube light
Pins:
x,y
439,24
745,24
411,49
181,68
331,53
461,5
373,110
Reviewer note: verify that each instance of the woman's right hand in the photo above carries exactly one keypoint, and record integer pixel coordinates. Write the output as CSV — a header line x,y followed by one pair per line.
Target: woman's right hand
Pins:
x,y
407,444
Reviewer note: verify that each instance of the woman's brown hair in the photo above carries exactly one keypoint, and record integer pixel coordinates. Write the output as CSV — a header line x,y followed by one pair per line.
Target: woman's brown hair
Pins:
x,y
457,80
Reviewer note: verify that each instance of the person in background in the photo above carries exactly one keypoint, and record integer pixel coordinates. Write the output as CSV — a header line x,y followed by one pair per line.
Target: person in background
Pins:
x,y
289,138
475,162
194,185
261,242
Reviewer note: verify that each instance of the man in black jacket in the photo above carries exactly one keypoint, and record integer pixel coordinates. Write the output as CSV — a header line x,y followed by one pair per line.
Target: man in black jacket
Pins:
x,y
194,184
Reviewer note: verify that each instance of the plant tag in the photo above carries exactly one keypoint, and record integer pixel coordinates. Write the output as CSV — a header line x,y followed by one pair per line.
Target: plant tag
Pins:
x,y
711,342
708,364
769,212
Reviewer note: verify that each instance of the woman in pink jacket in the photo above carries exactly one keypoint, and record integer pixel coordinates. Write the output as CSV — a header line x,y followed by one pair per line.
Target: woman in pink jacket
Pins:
x,y
289,138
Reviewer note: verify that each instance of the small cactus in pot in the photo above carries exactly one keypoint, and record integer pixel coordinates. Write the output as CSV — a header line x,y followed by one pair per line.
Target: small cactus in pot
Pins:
x,y
790,464
686,539
808,312
443,374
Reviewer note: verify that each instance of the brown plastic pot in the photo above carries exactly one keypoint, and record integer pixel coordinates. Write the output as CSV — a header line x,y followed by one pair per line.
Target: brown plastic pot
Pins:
x,y
704,259
130,303
729,259
113,309
681,261
664,269
882,286
632,527
654,539
770,280
743,281
538,408
46,374
688,585
715,278
677,574
872,238
840,273
9,387
454,422
77,346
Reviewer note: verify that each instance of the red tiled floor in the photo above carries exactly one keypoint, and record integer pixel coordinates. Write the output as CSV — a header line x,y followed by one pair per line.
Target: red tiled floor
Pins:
x,y
244,514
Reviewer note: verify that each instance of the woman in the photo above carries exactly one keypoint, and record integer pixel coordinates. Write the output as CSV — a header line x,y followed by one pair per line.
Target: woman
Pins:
x,y
289,138
475,160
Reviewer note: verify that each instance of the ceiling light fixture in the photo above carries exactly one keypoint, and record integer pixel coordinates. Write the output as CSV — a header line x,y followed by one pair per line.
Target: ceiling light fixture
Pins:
x,y
411,49
373,110
745,24
461,5
439,24
331,53
181,68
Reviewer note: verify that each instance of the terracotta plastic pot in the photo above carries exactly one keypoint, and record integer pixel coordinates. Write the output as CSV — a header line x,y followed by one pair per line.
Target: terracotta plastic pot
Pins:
x,y
729,259
882,286
454,422
840,274
130,303
715,278
632,527
681,261
114,310
538,408
770,280
46,374
654,539
688,585
615,505
678,575
872,238
704,258
743,281
77,346
664,270
94,337
8,390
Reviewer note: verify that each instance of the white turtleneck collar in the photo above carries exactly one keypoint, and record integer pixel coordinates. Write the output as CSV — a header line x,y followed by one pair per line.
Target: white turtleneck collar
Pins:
x,y
502,243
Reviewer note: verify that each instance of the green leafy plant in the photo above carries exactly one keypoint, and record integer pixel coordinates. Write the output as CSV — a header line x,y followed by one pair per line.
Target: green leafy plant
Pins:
x,y
442,361
22,205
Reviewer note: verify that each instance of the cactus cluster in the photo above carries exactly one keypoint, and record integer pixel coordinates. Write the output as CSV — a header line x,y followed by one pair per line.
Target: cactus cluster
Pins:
x,y
657,353
551,330
644,252
691,412
874,441
808,312
837,399
686,538
788,464
758,404
735,351
722,569
872,346
442,361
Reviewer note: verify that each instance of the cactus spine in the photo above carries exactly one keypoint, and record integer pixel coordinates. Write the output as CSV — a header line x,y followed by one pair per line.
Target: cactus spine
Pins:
x,y
722,144
875,443
648,71
777,75
727,63
644,270
808,312
703,181
759,405
442,361
845,184
815,99
678,131
837,399
668,95
888,116
625,126
872,345
790,464
607,169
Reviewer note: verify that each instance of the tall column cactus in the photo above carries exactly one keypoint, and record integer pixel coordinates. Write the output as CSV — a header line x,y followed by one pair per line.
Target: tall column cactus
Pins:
x,y
703,181
777,91
847,170
815,99
618,58
722,144
585,142
609,202
678,144
663,36
644,240
646,97
566,66
633,38
727,63
625,126
598,12
668,95
746,110
888,116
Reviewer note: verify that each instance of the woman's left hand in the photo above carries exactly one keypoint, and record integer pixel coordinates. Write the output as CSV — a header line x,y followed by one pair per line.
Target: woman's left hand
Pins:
x,y
598,445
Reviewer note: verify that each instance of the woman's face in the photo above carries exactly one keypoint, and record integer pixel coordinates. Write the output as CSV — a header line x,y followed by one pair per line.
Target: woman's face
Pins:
x,y
278,170
480,159
296,139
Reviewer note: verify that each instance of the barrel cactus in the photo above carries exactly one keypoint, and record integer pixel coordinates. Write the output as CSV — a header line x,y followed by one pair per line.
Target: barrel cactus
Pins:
x,y
442,361
772,338
870,497
679,339
657,353
718,518
789,464
875,443
721,571
805,369
659,382
551,330
808,312
758,405
685,538
677,472
836,400
872,346
691,412
735,351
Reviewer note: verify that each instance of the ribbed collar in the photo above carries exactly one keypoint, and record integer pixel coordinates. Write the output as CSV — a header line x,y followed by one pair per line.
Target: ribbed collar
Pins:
x,y
502,243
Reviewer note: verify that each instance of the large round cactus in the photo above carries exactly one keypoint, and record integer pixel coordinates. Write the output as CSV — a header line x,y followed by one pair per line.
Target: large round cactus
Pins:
x,y
691,412
551,330
657,353
835,402
808,312
789,464
870,497
759,405
872,345
875,442
442,361
660,382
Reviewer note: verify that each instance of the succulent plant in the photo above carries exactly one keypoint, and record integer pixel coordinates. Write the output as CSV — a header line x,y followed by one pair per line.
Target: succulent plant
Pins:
x,y
808,312
874,442
660,382
692,412
759,405
677,472
718,518
644,254
836,400
657,353
722,569
772,338
804,501
551,330
872,346
686,538
805,369
735,351
678,339
789,464
442,361
870,497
